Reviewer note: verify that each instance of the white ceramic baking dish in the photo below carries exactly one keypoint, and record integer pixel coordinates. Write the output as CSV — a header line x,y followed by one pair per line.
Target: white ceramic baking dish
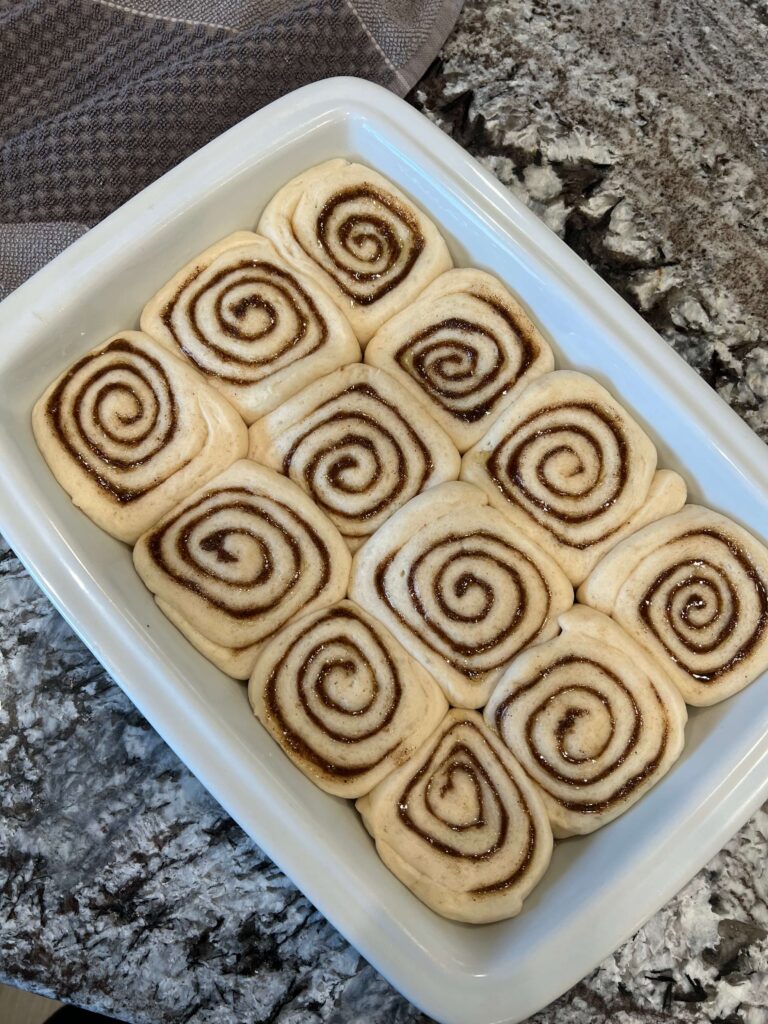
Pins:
x,y
599,889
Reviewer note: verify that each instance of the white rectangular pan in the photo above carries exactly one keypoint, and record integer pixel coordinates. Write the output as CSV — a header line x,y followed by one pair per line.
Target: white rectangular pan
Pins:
x,y
599,889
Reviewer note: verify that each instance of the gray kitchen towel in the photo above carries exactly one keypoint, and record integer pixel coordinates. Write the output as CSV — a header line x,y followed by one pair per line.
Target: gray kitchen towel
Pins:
x,y
100,97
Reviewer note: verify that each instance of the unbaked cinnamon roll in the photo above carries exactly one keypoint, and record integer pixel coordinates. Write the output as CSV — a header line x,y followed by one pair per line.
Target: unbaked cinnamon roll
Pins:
x,y
238,559
356,448
592,718
692,590
359,237
461,824
466,347
568,465
343,699
460,588
129,430
257,328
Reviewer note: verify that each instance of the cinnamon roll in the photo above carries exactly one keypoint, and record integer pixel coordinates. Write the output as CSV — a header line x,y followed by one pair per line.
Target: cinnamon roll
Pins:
x,y
343,699
359,237
466,347
254,326
592,719
461,824
568,465
360,453
129,430
460,588
238,559
692,590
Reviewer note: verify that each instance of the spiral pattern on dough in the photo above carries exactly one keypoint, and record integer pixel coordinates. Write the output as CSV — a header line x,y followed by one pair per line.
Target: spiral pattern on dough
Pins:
x,y
343,699
359,460
708,610
115,412
472,597
243,319
474,829
333,692
587,738
461,824
369,242
464,366
567,465
246,555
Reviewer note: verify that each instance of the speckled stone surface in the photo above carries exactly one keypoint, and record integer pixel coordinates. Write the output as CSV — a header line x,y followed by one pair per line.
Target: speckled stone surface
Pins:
x,y
640,133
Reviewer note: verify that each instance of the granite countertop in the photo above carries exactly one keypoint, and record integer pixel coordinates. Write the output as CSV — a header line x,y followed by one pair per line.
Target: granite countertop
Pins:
x,y
639,132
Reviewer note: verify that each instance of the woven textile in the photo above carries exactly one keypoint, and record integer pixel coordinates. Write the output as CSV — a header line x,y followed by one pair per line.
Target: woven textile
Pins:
x,y
99,98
